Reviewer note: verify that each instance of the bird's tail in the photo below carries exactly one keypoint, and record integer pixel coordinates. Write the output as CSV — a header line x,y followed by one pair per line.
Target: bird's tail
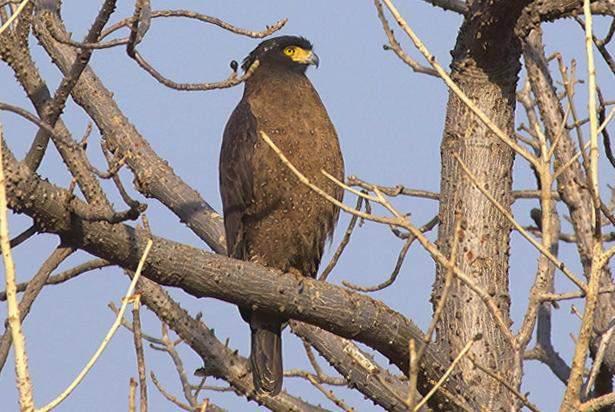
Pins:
x,y
266,354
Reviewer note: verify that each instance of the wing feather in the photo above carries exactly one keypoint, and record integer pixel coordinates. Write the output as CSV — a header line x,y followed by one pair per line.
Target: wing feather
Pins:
x,y
237,176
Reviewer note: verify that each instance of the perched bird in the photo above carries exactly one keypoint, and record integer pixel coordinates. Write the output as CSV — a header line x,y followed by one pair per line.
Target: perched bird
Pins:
x,y
271,217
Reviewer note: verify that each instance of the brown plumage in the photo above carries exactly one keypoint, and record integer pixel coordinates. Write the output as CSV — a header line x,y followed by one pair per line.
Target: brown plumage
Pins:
x,y
269,216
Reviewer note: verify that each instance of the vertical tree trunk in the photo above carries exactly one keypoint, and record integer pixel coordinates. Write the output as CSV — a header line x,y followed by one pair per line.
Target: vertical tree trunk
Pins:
x,y
485,65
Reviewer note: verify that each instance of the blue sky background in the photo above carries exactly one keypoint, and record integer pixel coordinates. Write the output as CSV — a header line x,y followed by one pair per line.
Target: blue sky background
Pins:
x,y
389,120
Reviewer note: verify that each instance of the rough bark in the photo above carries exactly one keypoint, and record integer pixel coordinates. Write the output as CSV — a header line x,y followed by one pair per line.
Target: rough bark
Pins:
x,y
155,177
485,65
204,274
550,10
161,184
382,388
219,360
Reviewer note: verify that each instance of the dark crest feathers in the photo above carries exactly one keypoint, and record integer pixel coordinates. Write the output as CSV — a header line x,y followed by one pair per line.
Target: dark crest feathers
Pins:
x,y
276,43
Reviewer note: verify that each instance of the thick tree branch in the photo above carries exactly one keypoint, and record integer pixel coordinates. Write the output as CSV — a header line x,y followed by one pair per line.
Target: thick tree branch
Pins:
x,y
458,6
19,59
246,284
543,11
219,360
154,176
375,382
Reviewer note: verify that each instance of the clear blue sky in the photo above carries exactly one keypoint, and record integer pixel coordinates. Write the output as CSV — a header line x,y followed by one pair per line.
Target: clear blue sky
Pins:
x,y
389,120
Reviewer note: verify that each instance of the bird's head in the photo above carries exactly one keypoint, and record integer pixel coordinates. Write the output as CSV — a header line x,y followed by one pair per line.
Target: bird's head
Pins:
x,y
290,52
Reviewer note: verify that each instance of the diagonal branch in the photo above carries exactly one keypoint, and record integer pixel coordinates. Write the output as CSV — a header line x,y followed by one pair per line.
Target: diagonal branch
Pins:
x,y
32,291
219,360
203,274
375,382
154,177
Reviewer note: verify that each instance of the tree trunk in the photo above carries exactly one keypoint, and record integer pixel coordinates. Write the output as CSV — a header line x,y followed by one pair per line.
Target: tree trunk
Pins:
x,y
485,65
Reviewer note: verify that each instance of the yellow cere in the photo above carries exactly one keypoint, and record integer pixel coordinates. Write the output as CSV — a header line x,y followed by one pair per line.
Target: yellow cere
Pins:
x,y
298,54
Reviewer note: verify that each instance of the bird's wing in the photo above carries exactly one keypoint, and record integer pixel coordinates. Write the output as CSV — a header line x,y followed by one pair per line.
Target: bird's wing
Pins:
x,y
236,175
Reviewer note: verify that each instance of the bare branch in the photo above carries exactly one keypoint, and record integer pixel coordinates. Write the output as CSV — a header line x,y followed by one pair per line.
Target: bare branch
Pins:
x,y
138,342
203,18
171,398
396,47
393,191
359,368
601,45
32,290
232,80
22,237
159,181
116,324
24,384
211,275
345,240
400,260
458,6
219,360
506,384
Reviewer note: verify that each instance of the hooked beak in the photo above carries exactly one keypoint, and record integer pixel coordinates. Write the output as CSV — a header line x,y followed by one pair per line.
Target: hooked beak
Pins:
x,y
313,59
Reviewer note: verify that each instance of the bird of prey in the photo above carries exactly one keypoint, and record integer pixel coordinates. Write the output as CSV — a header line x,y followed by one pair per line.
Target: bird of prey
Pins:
x,y
270,217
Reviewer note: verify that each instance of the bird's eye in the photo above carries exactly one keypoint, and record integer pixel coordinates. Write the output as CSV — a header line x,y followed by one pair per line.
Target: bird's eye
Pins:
x,y
289,51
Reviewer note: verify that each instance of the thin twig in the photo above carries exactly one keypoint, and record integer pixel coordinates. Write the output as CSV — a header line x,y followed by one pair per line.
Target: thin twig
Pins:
x,y
342,246
66,275
269,30
393,191
169,347
24,384
128,325
604,343
32,291
448,372
572,396
15,14
398,264
231,81
138,342
23,236
455,88
167,395
106,340
330,395
506,384
559,264
396,47
132,388
299,373
573,295
601,45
